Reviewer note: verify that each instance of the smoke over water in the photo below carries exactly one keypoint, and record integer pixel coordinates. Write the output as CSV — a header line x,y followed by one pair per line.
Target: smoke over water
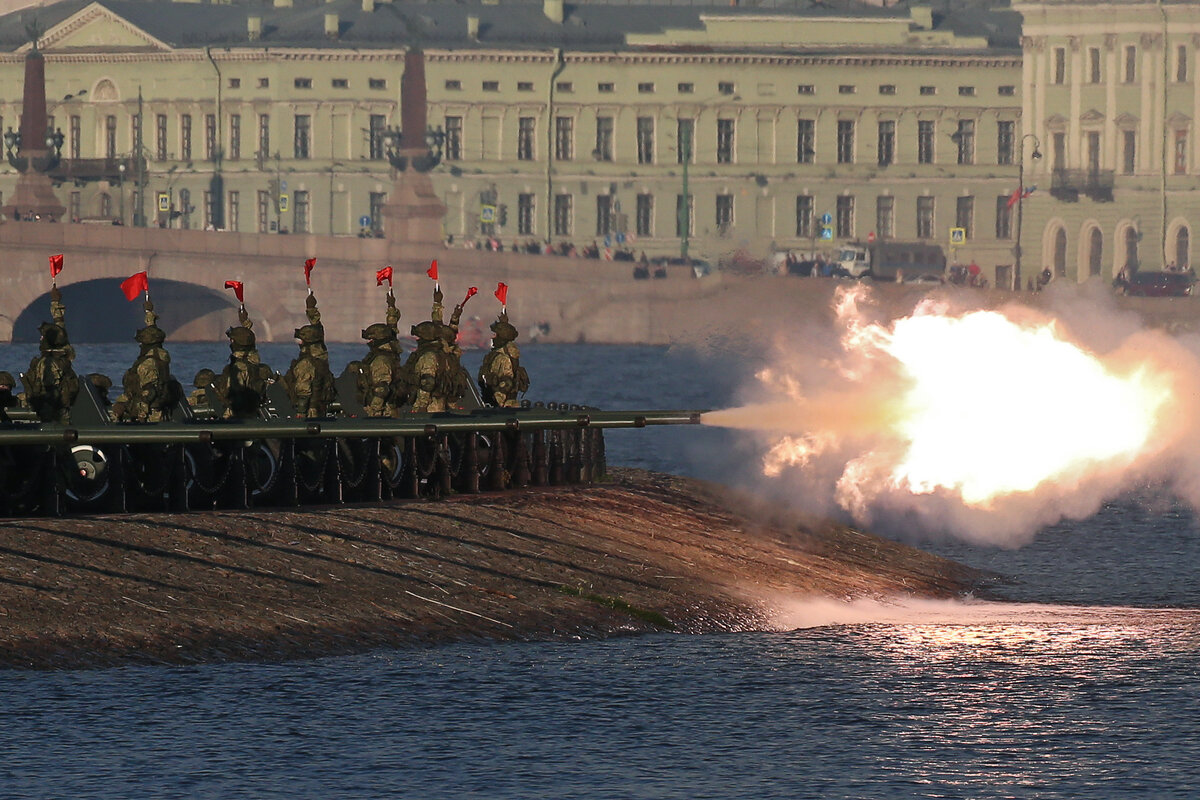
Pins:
x,y
985,424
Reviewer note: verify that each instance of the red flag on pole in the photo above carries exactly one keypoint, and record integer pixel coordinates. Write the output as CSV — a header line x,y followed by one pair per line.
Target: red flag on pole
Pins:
x,y
237,289
309,263
56,265
432,271
470,293
382,275
502,293
135,285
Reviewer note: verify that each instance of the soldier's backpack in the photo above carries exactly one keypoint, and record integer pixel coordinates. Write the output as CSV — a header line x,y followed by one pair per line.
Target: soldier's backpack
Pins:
x,y
51,385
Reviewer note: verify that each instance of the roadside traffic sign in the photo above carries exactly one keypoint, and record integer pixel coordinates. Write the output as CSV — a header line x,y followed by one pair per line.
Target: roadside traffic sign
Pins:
x,y
164,201
487,213
364,221
827,218
283,202
958,236
826,232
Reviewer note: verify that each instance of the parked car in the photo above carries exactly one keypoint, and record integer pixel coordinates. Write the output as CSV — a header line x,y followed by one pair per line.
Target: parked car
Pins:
x,y
1156,284
699,266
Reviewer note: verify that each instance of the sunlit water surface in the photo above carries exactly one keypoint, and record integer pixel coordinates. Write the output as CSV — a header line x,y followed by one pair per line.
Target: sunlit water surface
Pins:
x,y
1087,687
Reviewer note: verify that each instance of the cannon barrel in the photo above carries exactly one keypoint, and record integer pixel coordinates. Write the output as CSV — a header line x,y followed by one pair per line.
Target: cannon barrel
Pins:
x,y
340,427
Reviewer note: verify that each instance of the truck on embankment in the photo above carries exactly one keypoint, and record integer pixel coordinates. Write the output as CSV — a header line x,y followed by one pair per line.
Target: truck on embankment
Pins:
x,y
891,261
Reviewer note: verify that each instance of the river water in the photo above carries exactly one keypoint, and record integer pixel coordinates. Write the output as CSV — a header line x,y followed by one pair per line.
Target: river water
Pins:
x,y
1086,685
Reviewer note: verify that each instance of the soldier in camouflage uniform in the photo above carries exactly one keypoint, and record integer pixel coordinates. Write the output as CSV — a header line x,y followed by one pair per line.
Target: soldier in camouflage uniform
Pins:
x,y
242,385
382,382
151,393
198,399
428,368
501,377
51,384
7,399
308,381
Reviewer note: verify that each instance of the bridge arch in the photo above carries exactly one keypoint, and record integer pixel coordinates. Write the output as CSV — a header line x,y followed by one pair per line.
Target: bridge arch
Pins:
x,y
98,312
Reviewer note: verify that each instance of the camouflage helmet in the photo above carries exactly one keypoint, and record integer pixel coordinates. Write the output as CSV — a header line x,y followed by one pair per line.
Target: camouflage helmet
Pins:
x,y
240,338
427,331
378,332
53,335
7,381
504,331
204,377
151,334
309,334
100,381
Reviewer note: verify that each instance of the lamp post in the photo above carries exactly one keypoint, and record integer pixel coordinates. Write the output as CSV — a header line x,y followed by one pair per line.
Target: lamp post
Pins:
x,y
121,171
1036,154
685,210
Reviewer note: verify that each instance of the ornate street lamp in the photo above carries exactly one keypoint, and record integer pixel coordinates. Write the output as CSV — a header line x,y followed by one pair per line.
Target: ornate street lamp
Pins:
x,y
1036,154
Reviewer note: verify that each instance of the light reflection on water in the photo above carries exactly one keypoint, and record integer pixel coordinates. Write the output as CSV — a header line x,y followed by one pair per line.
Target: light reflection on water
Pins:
x,y
1094,697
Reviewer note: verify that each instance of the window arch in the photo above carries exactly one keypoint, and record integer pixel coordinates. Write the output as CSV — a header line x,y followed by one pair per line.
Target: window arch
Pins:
x,y
1060,252
1095,247
1131,249
1182,246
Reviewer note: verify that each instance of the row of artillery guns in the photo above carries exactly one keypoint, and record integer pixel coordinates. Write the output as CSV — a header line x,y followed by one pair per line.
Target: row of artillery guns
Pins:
x,y
203,459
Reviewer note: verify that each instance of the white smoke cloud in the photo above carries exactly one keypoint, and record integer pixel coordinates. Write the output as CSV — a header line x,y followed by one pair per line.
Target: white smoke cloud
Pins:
x,y
830,375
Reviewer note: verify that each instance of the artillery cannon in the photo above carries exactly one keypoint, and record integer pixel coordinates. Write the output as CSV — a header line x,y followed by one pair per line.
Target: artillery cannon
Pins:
x,y
204,461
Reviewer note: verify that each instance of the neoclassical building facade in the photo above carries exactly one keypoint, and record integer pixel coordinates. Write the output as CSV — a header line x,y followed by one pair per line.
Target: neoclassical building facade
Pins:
x,y
792,125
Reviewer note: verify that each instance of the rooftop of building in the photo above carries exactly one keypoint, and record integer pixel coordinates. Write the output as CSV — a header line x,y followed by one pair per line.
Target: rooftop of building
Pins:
x,y
596,25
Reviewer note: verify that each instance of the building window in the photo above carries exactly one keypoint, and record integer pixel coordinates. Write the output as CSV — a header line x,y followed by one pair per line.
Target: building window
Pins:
x,y
525,214
924,217
526,133
1060,65
645,140
1181,63
76,124
232,212
965,139
966,91
185,137
964,215
302,217
806,141
887,88
690,213
302,83
1130,63
453,86
210,137
264,83
564,139
264,136
1181,138
1003,217
454,135
1129,154
724,218
76,206
645,88
686,88
1006,91
604,139
566,87
1093,65
846,88
376,125
110,136
376,83
524,86
341,83
605,88
376,202
160,137
925,141
491,86
806,88
1005,142
804,217
1058,147
725,134
645,215
885,211
235,83
887,142
726,87
562,215
301,138
845,216
235,137
845,141
684,141
185,204
604,214
928,90
263,210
